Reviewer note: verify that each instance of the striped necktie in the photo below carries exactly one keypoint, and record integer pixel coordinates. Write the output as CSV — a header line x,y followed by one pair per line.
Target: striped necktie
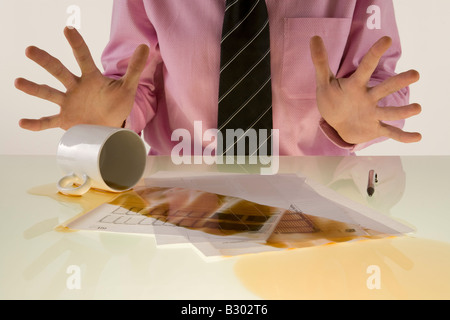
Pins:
x,y
245,92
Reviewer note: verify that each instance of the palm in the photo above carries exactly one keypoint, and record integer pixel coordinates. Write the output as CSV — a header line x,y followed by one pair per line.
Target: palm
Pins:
x,y
89,99
342,103
96,100
351,107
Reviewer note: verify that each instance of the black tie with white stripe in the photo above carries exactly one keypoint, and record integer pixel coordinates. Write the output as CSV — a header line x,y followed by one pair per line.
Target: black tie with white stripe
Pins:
x,y
245,92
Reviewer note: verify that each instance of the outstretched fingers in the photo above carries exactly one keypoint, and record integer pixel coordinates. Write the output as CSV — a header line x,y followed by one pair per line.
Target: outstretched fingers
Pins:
x,y
52,65
394,84
398,113
319,57
370,61
40,90
136,66
40,124
398,134
80,51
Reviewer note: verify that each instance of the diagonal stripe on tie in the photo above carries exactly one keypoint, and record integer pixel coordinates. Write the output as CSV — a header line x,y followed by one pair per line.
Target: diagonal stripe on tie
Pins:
x,y
246,103
245,47
245,91
239,138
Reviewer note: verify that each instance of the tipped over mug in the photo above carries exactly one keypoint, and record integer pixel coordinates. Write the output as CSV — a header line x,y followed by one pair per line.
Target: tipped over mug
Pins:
x,y
106,158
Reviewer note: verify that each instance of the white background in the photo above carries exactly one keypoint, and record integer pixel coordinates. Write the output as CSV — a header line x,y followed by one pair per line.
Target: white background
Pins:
x,y
424,30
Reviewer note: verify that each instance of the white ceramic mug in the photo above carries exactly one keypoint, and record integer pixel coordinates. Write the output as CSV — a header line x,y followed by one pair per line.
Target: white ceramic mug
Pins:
x,y
106,158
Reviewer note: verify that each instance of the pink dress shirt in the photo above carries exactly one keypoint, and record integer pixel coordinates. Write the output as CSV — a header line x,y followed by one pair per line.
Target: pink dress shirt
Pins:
x,y
180,82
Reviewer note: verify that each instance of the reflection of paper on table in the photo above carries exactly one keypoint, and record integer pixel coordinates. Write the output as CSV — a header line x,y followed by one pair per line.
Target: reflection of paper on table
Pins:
x,y
189,215
229,214
285,191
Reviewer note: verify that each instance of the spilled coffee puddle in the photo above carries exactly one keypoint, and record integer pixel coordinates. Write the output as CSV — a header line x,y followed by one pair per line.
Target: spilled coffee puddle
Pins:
x,y
389,268
197,210
313,265
90,200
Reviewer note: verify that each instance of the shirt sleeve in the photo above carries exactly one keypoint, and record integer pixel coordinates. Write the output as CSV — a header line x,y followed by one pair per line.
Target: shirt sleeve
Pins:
x,y
363,35
131,27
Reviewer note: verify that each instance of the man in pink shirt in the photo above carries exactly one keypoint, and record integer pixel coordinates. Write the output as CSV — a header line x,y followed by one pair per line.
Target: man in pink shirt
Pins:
x,y
334,86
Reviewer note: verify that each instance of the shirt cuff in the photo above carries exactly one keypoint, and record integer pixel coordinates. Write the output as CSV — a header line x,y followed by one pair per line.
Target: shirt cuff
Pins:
x,y
334,136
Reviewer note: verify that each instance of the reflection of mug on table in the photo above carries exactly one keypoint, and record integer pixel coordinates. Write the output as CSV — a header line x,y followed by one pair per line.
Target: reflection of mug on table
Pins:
x,y
90,156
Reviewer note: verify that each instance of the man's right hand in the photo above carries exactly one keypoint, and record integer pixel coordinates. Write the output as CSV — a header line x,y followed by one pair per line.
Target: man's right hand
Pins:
x,y
89,99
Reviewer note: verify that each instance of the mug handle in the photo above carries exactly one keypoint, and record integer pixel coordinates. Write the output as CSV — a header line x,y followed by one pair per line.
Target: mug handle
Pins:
x,y
65,184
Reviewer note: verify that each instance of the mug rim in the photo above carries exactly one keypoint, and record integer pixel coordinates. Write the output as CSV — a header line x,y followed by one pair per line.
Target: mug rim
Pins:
x,y
141,144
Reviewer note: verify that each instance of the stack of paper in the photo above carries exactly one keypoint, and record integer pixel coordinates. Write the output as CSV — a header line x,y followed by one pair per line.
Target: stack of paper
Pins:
x,y
231,214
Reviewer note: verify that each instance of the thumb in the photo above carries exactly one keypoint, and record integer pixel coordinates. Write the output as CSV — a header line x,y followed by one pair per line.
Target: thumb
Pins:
x,y
319,57
136,66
